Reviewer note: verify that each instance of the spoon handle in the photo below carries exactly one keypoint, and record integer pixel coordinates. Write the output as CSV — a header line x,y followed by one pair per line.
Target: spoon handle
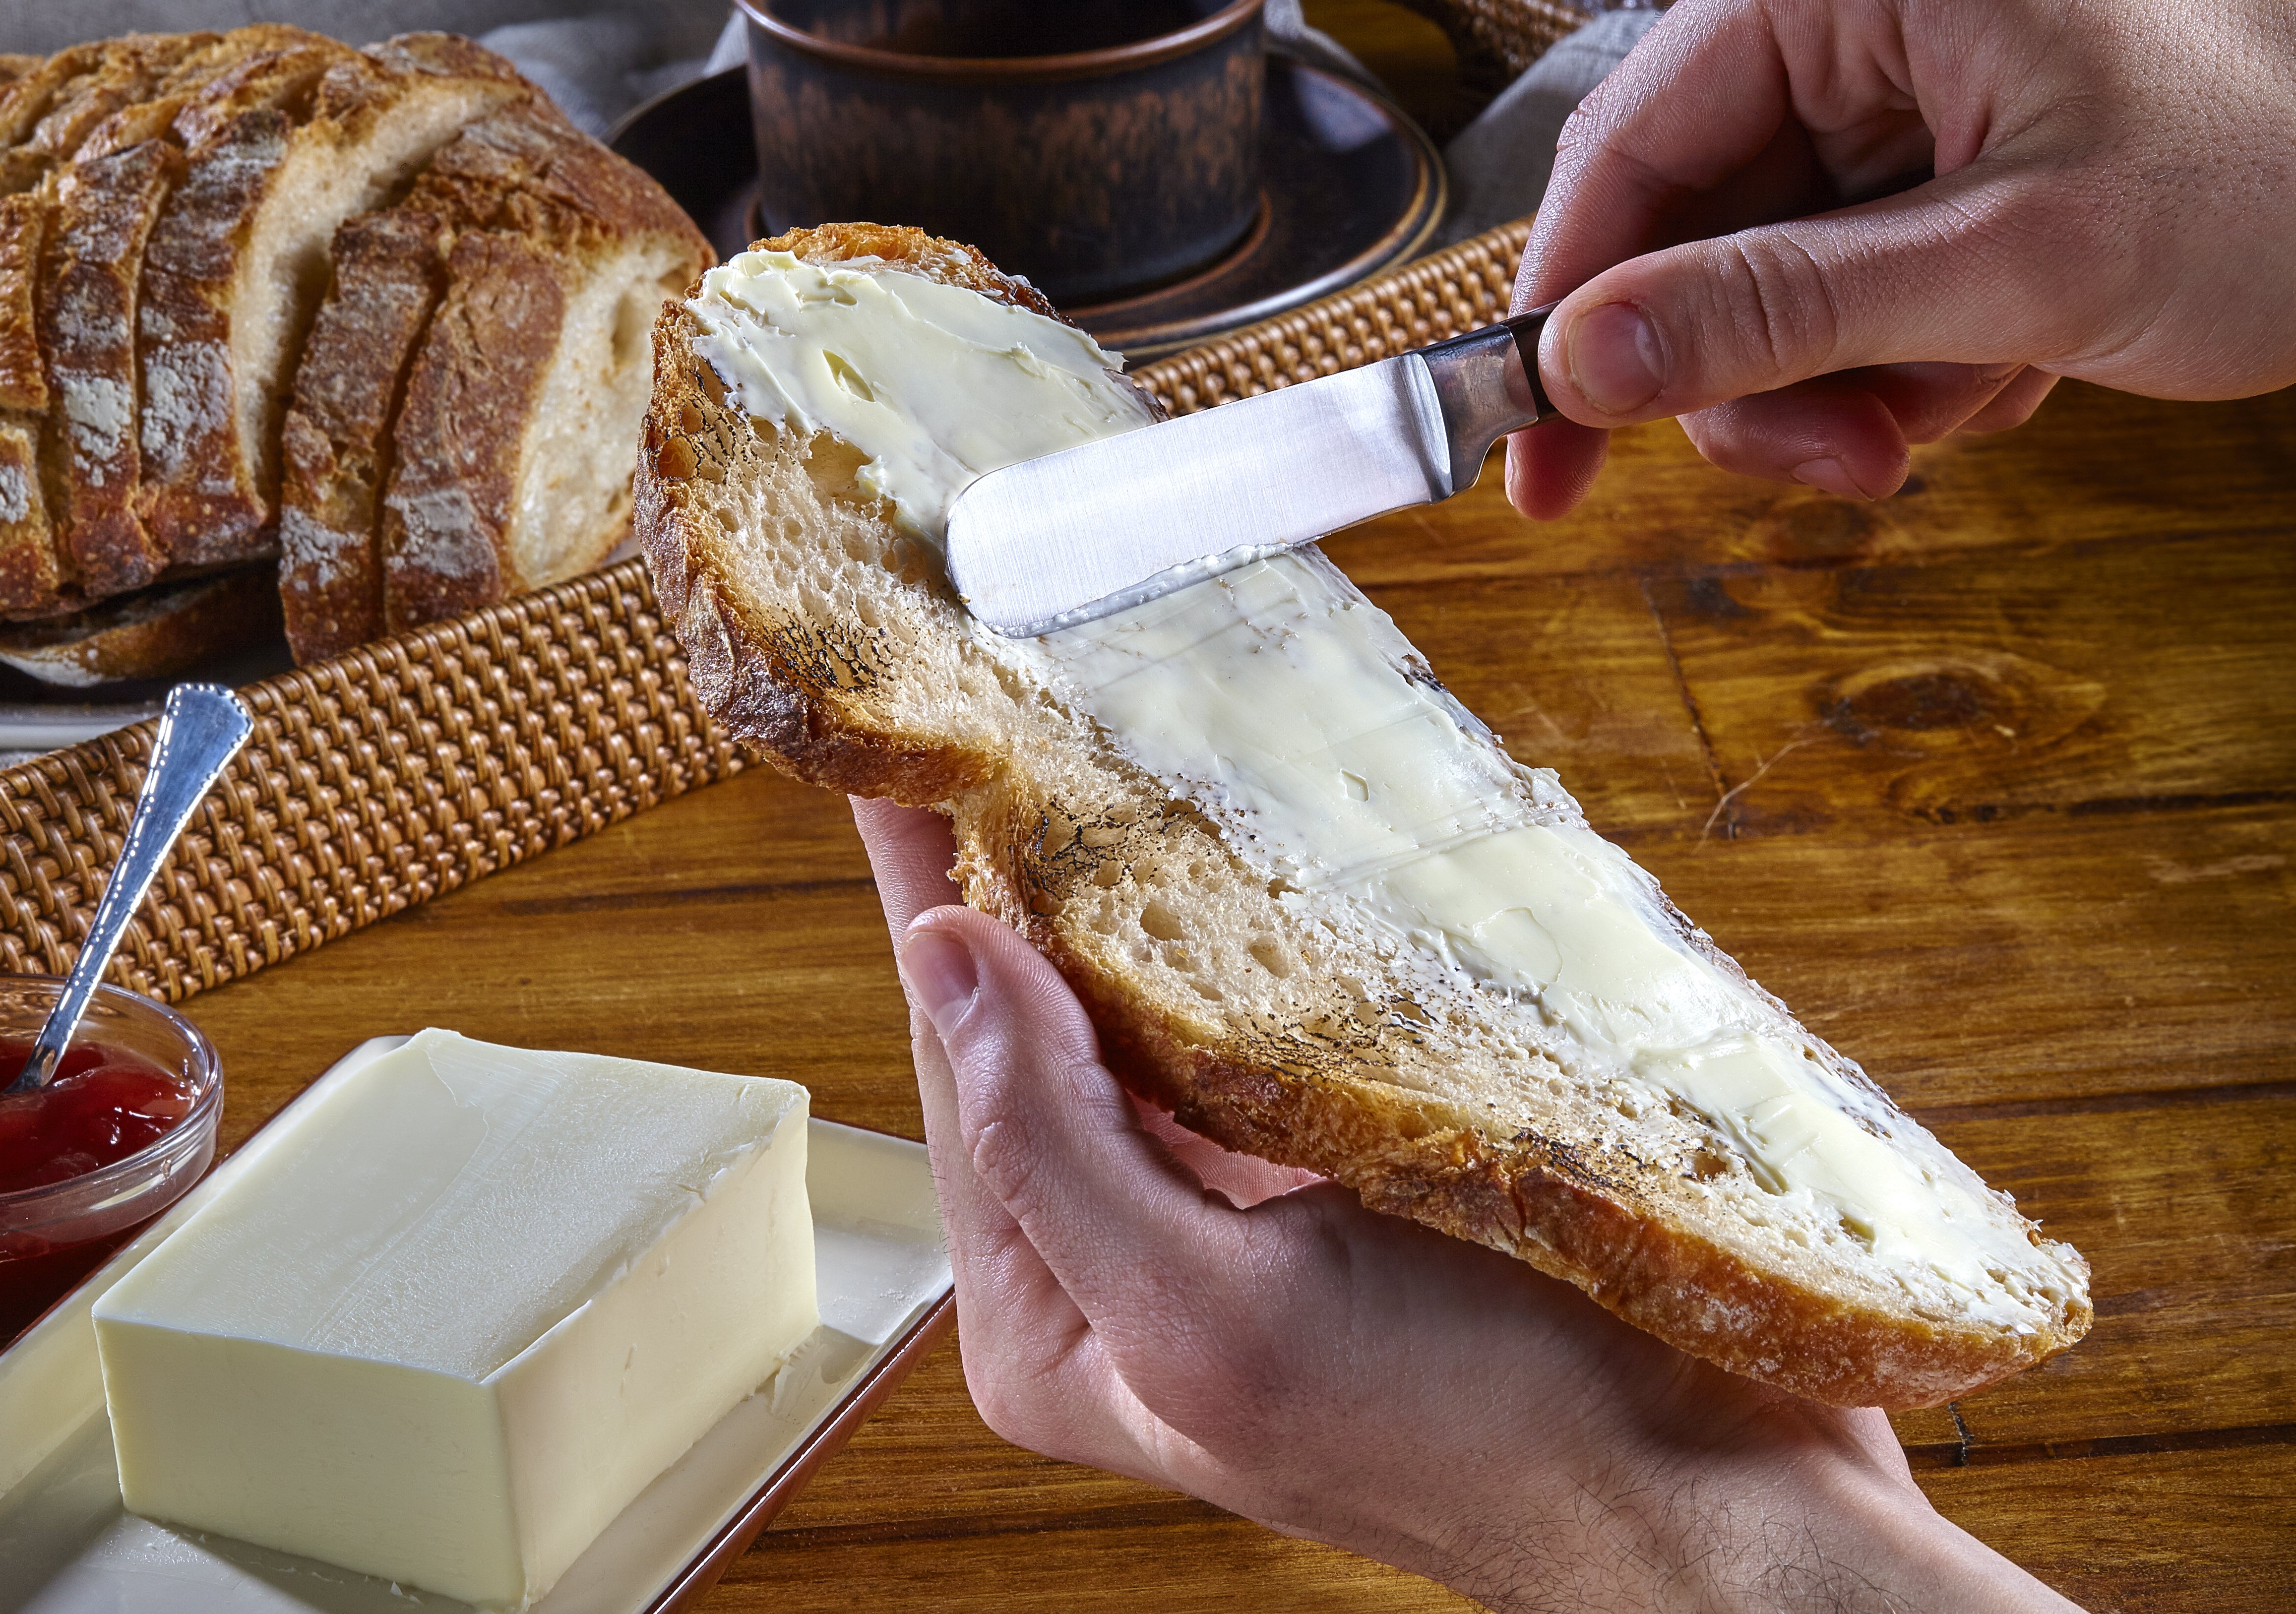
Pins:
x,y
203,727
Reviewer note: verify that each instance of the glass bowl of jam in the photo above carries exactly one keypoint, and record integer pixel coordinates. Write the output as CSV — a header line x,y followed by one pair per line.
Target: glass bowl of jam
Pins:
x,y
122,1132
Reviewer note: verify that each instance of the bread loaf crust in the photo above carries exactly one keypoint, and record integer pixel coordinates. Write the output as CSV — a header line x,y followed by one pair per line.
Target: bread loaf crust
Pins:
x,y
28,553
389,269
457,471
104,212
811,694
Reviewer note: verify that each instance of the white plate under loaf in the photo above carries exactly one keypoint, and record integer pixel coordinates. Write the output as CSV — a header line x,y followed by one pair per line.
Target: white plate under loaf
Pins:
x,y
883,1282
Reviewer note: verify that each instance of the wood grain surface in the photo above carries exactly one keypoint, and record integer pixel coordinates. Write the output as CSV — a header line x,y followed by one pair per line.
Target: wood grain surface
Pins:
x,y
1994,781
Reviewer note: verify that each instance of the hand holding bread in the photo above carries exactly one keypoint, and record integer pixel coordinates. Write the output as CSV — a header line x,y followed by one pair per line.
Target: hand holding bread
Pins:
x,y
1290,1356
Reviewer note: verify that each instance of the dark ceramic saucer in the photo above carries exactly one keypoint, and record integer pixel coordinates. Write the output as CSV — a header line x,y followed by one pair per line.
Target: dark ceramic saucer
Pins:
x,y
1350,185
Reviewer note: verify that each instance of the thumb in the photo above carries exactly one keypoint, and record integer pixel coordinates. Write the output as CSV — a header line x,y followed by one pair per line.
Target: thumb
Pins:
x,y
1967,268
1126,1228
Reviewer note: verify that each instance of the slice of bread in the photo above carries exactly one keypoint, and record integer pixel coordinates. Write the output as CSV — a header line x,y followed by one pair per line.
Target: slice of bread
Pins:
x,y
334,445
28,550
155,633
125,71
237,264
1285,1018
104,210
537,354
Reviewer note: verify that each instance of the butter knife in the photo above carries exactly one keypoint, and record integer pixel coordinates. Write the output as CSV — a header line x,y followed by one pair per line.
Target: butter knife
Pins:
x,y
1092,531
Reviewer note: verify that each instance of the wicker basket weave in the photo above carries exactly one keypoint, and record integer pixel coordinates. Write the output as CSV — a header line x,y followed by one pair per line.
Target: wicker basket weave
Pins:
x,y
410,767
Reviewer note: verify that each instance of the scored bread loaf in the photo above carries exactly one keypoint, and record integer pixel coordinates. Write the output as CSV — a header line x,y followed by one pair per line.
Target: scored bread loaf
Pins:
x,y
479,341
1273,1010
224,258
237,264
540,352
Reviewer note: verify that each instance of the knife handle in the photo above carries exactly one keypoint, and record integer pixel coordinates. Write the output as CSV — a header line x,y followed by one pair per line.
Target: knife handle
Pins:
x,y
1487,384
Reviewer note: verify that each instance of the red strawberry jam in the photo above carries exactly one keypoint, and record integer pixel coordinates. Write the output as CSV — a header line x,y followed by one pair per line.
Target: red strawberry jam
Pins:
x,y
102,1106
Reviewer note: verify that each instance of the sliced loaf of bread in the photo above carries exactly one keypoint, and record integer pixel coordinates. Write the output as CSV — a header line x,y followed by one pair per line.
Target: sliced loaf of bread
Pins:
x,y
237,265
571,225
1471,1011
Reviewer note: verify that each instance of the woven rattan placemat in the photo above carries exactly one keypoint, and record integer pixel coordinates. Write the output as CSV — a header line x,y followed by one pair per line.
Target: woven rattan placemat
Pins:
x,y
410,767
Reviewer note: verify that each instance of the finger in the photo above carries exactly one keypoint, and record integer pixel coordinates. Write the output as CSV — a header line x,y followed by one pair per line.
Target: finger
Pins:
x,y
1037,1374
1847,433
1830,433
1551,467
1051,1134
2014,404
1700,97
1030,1360
910,852
1952,271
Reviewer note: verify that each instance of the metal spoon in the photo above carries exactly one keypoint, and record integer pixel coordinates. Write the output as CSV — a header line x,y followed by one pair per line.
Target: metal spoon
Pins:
x,y
201,729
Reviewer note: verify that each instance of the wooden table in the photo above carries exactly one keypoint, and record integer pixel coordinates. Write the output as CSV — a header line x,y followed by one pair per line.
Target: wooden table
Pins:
x,y
1994,782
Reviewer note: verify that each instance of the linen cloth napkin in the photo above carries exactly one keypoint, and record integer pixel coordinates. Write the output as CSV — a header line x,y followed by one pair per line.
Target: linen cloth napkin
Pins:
x,y
599,60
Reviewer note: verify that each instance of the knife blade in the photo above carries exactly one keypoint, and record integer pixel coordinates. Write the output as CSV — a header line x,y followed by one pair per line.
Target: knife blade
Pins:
x,y
1095,529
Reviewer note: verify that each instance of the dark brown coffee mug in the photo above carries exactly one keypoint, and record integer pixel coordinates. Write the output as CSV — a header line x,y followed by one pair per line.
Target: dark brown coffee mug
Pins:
x,y
1096,146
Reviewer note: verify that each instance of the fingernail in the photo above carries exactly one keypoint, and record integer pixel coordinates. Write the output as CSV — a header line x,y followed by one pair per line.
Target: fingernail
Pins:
x,y
940,975
1830,475
1614,359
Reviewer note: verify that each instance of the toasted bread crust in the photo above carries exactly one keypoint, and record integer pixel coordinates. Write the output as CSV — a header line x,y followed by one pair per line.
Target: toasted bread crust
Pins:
x,y
805,694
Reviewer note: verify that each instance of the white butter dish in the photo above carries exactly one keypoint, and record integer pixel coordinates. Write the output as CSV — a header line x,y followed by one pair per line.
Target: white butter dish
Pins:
x,y
883,1273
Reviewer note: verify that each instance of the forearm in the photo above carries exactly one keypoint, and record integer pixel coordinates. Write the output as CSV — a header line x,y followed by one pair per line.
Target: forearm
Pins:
x,y
1821,1538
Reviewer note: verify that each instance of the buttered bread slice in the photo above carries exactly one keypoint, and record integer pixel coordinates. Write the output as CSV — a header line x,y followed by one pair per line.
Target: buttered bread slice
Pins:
x,y
1314,907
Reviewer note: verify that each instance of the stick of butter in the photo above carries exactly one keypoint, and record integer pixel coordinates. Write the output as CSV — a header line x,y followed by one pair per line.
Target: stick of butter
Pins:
x,y
481,1300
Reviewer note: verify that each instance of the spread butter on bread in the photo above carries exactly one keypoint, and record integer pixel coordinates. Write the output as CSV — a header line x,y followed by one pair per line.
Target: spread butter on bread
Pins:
x,y
1312,906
